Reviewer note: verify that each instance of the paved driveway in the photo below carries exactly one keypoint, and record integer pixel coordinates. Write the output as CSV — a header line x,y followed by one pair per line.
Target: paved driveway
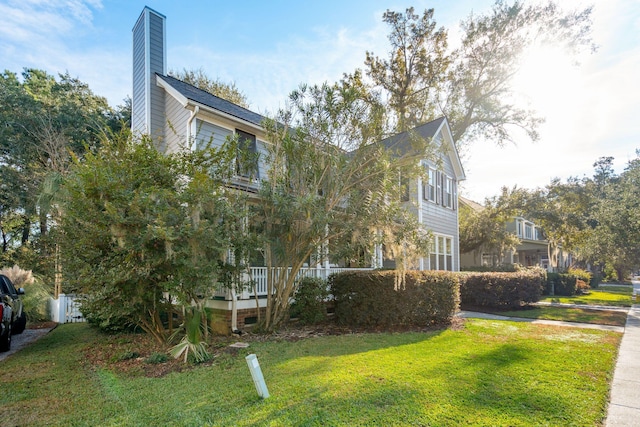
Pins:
x,y
24,339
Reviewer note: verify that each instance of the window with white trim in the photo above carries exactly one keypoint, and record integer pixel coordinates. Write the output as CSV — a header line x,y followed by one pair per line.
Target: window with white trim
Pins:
x,y
429,192
440,189
441,253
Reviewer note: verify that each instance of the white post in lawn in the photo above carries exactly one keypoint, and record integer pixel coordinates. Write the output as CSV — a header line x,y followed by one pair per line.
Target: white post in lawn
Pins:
x,y
256,374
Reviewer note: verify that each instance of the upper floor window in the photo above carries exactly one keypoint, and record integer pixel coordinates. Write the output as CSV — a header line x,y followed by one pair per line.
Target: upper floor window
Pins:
x,y
528,231
440,189
430,186
247,157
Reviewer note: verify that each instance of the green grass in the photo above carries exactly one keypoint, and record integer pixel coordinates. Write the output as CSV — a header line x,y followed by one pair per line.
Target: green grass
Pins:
x,y
610,296
484,373
566,314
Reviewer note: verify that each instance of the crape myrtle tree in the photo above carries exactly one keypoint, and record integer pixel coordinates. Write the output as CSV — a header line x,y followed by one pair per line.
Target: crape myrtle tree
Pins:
x,y
330,185
422,79
142,230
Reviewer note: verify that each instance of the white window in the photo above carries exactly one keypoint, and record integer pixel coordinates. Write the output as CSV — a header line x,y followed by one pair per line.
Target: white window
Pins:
x,y
528,231
430,186
447,200
441,253
440,189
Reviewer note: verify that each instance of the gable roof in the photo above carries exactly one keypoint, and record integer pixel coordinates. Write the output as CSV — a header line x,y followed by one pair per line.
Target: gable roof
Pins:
x,y
196,95
401,143
472,204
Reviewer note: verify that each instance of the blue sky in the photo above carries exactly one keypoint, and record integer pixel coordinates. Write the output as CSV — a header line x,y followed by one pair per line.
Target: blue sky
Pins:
x,y
269,47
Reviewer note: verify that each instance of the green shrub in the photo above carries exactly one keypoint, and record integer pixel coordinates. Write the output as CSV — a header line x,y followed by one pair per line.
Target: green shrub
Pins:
x,y
502,290
157,358
380,298
309,304
128,355
107,310
575,281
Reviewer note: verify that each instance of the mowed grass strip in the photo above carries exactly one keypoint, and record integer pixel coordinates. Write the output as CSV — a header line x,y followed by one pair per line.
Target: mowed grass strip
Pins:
x,y
484,373
608,296
570,314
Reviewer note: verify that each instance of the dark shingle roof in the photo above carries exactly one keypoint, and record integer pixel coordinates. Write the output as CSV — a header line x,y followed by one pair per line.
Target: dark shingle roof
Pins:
x,y
205,98
401,143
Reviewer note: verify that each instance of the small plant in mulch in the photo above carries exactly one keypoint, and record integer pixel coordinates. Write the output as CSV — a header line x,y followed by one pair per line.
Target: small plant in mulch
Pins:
x,y
128,355
157,358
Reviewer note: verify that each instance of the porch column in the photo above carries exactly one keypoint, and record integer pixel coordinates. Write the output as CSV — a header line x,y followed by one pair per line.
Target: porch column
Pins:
x,y
325,249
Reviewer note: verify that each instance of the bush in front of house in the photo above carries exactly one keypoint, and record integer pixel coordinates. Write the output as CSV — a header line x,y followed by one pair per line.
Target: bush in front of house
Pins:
x,y
575,281
502,290
383,299
309,304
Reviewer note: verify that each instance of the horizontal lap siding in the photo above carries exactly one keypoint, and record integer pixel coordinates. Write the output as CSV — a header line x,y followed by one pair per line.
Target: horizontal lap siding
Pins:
x,y
262,161
208,133
175,127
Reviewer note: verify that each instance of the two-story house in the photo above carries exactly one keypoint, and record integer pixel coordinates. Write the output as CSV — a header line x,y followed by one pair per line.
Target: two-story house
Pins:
x,y
173,113
533,248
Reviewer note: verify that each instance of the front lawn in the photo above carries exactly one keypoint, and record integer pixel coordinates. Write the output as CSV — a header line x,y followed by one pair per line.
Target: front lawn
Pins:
x,y
482,373
568,314
614,296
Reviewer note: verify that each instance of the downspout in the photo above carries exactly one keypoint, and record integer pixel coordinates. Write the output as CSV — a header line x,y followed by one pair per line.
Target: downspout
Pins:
x,y
234,309
189,121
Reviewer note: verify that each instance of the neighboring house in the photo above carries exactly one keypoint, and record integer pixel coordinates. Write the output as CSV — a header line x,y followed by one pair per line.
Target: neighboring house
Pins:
x,y
173,112
533,250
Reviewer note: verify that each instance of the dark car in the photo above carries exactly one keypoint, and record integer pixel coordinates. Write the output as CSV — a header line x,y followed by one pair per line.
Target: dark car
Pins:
x,y
12,315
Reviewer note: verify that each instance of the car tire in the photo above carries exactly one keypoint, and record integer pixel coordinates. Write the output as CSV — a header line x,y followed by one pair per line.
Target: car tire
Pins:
x,y
5,342
20,324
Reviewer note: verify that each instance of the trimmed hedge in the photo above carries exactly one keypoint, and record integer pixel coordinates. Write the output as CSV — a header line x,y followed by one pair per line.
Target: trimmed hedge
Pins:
x,y
309,301
502,290
567,284
372,298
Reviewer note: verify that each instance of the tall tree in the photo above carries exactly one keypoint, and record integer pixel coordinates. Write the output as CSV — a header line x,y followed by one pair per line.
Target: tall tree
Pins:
x,y
472,84
416,68
200,79
594,218
42,121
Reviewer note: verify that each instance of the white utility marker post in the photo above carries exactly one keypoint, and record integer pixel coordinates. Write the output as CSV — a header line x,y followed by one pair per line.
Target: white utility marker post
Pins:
x,y
256,374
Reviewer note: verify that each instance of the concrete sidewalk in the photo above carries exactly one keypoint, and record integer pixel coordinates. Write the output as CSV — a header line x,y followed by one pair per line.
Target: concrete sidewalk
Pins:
x,y
475,315
624,406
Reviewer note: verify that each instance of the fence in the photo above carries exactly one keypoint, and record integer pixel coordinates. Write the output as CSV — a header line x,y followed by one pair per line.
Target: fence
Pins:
x,y
66,309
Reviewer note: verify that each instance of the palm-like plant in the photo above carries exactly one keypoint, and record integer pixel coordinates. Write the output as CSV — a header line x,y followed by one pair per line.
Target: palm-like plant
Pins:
x,y
192,342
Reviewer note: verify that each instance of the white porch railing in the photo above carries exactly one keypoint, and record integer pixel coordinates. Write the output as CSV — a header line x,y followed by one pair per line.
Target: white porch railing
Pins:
x,y
259,277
